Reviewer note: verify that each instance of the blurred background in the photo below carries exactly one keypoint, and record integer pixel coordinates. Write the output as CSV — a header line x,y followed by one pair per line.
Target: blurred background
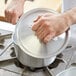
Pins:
x,y
31,4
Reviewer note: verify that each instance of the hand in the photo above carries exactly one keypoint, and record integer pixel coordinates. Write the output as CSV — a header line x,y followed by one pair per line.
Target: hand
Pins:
x,y
49,26
14,11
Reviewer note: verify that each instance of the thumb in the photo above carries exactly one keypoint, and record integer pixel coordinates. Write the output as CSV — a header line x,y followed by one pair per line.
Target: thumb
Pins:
x,y
49,37
37,18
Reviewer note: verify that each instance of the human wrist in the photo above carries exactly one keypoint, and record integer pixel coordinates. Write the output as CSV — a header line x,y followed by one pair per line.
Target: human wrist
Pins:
x,y
67,18
70,16
19,1
73,15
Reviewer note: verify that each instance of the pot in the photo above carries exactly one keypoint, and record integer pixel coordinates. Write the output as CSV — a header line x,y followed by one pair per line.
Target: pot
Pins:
x,y
68,72
30,51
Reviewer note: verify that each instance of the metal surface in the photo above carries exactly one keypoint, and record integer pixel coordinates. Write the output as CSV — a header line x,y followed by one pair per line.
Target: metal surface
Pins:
x,y
10,67
27,60
30,48
5,36
28,41
68,72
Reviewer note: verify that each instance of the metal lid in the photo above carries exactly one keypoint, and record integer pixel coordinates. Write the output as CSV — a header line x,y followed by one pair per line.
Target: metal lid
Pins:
x,y
28,41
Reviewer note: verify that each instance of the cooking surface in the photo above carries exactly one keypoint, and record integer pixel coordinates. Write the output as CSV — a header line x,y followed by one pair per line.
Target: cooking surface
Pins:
x,y
10,67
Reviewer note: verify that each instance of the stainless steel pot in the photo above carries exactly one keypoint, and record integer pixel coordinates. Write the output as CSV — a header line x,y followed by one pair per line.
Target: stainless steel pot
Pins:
x,y
30,51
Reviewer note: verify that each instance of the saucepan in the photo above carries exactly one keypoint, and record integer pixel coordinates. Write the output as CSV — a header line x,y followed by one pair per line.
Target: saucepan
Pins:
x,y
30,51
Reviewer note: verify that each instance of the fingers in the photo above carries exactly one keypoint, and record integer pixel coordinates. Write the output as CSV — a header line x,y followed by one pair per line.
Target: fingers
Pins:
x,y
11,16
45,34
43,28
14,10
8,16
45,15
41,32
38,22
15,18
37,18
42,35
49,37
36,25
40,29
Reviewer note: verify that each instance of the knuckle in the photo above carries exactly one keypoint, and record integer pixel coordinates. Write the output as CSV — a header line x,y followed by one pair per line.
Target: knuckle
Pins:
x,y
46,23
49,30
6,12
10,12
15,12
42,19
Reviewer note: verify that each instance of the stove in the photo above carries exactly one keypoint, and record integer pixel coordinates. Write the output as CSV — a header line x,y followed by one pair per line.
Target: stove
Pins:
x,y
10,66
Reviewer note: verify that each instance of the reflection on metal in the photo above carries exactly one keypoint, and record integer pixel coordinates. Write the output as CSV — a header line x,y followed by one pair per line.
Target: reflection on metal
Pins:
x,y
12,65
73,64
